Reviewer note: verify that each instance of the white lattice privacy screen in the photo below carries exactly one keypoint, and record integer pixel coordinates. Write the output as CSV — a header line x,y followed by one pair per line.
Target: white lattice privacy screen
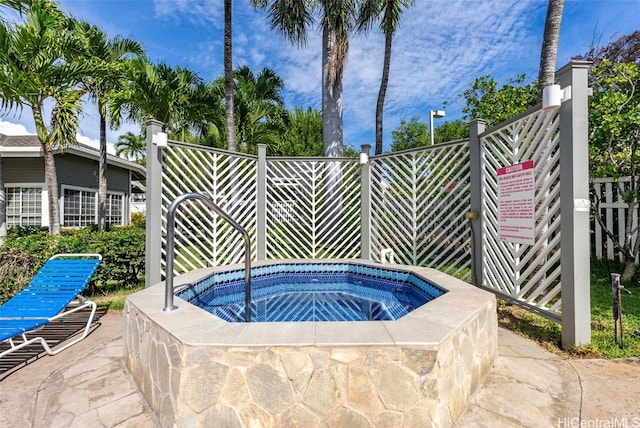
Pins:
x,y
437,206
418,205
202,238
312,209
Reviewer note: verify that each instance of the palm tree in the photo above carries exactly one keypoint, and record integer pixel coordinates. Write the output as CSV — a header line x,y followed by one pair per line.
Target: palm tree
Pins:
x,y
132,146
41,61
109,54
175,96
228,78
260,116
549,51
389,12
292,19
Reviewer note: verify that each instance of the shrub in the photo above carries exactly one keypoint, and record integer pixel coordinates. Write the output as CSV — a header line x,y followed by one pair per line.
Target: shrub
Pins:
x,y
139,220
122,250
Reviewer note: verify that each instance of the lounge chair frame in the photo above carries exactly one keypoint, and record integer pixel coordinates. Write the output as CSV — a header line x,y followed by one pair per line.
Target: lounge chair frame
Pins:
x,y
18,327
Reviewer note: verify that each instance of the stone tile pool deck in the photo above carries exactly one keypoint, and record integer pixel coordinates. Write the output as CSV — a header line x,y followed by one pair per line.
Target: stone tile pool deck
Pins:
x,y
89,385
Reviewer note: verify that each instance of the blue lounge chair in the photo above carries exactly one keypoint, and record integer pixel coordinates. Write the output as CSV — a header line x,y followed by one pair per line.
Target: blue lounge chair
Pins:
x,y
56,287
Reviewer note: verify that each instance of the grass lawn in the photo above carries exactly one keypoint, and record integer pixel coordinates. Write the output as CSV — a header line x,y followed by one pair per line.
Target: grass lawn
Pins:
x,y
603,345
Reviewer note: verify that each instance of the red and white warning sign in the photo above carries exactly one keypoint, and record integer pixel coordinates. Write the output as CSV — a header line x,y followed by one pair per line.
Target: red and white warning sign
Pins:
x,y
516,202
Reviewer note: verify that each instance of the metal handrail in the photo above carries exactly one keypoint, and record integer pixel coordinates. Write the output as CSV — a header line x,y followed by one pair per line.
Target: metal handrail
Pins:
x,y
171,219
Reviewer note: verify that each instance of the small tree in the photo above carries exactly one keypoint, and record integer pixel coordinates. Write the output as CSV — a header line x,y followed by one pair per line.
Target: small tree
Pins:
x,y
409,135
614,134
485,100
614,123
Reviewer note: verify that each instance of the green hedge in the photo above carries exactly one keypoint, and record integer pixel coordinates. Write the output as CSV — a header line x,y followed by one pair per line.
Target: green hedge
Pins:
x,y
26,250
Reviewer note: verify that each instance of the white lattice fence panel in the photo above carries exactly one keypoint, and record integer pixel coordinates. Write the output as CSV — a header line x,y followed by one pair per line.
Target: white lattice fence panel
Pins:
x,y
418,205
529,274
202,238
313,209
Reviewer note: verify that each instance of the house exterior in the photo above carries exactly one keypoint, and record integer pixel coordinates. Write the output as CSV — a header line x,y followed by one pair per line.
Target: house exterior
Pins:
x,y
25,190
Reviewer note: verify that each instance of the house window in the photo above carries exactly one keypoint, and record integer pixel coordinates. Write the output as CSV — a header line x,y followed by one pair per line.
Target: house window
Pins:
x,y
24,206
113,209
79,208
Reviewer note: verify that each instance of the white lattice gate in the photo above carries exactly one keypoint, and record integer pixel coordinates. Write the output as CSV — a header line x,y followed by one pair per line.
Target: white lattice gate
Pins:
x,y
528,274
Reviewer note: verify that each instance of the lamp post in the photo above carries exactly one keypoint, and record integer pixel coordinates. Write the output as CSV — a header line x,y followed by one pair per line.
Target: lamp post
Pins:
x,y
437,114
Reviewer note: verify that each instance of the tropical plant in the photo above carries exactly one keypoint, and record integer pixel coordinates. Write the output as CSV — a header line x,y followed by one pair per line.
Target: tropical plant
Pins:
x,y
614,136
549,51
109,55
336,20
409,135
177,97
614,149
414,133
132,146
303,136
42,68
389,12
485,100
259,109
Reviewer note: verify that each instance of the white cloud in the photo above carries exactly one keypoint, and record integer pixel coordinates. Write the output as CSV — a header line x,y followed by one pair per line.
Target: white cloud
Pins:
x,y
440,47
9,128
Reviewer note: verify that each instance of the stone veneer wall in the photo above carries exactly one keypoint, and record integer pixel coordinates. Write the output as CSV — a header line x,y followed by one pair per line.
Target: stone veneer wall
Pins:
x,y
354,386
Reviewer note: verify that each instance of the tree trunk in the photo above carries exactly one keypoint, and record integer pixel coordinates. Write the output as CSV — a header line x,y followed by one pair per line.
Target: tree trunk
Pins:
x,y
331,147
630,249
331,101
52,187
384,82
3,207
102,173
549,51
228,78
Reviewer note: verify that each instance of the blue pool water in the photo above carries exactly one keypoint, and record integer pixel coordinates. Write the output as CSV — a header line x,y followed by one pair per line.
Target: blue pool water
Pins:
x,y
313,292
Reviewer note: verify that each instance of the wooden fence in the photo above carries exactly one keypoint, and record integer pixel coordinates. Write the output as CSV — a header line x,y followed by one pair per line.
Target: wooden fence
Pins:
x,y
614,212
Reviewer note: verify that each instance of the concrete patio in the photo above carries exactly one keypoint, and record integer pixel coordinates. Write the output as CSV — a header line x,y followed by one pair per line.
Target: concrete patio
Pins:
x,y
88,385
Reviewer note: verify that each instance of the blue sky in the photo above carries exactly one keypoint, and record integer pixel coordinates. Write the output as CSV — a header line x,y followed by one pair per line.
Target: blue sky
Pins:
x,y
440,47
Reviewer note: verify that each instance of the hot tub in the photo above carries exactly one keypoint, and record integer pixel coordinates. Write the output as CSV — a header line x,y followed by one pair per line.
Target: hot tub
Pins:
x,y
197,369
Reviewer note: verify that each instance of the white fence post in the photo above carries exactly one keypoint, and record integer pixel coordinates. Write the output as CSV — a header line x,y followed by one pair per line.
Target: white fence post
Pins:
x,y
261,201
474,215
153,239
574,206
365,202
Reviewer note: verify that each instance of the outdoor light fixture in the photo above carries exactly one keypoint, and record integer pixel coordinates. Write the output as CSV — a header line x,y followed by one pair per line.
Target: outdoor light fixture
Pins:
x,y
364,158
437,114
553,96
160,139
364,154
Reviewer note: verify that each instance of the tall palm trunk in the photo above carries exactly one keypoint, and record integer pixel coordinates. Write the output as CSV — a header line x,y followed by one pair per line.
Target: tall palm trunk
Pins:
x,y
331,140
228,78
331,99
102,172
549,51
52,187
3,207
384,82
547,77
